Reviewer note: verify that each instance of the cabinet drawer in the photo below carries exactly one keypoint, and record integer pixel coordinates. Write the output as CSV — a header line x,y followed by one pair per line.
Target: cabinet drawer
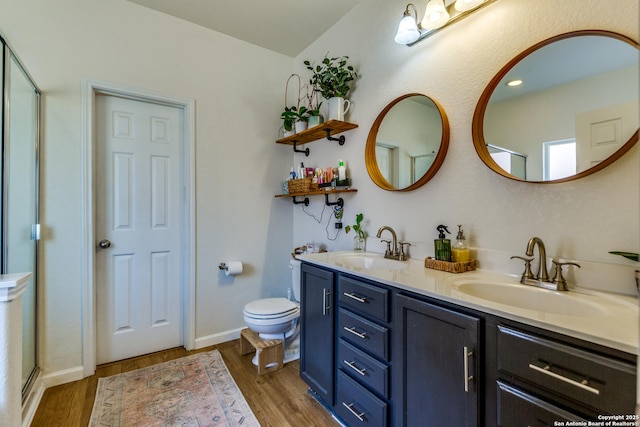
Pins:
x,y
364,368
368,299
367,335
517,408
357,406
607,385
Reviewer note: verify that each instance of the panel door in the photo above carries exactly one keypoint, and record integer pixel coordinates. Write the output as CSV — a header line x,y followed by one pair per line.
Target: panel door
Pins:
x,y
435,365
317,334
138,227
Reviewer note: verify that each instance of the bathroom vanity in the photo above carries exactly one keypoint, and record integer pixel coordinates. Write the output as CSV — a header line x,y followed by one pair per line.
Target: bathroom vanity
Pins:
x,y
394,344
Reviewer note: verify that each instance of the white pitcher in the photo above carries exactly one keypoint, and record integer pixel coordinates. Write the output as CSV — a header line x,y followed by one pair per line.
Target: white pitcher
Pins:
x,y
338,107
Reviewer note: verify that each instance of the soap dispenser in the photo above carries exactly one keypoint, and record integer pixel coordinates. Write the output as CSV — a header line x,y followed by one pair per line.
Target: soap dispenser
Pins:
x,y
443,245
460,250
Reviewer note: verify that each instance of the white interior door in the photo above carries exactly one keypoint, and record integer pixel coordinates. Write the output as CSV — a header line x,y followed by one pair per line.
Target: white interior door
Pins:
x,y
137,227
601,132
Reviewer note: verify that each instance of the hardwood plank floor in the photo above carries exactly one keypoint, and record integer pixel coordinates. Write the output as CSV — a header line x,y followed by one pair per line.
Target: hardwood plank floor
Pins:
x,y
277,399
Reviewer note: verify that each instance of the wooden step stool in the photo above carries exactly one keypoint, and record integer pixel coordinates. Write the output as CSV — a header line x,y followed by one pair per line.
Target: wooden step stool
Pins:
x,y
268,351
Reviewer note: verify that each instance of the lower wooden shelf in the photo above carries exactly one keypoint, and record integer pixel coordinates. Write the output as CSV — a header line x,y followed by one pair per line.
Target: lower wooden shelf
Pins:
x,y
319,192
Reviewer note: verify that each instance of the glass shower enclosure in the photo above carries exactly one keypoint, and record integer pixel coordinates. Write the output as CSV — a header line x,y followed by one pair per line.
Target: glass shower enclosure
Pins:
x,y
19,175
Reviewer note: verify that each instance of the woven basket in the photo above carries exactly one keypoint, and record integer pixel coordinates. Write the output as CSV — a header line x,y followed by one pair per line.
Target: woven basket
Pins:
x,y
299,185
451,267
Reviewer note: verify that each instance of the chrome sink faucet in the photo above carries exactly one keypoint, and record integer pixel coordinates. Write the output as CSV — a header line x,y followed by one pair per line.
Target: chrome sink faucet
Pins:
x,y
394,251
541,279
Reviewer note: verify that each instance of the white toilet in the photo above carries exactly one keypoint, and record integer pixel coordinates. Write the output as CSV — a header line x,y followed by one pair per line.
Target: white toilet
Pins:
x,y
277,318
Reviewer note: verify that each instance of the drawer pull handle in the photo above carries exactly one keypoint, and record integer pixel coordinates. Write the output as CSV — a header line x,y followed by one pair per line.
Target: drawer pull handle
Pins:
x,y
352,329
547,371
466,355
355,297
355,414
325,302
353,366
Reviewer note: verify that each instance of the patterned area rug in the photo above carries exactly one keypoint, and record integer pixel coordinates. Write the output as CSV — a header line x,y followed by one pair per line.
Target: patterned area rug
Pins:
x,y
196,390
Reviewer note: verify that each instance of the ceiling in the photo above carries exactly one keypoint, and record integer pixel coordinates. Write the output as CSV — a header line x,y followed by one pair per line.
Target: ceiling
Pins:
x,y
284,26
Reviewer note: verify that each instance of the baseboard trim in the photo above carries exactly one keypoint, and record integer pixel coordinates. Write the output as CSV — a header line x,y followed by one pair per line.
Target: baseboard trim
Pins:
x,y
62,377
30,406
218,338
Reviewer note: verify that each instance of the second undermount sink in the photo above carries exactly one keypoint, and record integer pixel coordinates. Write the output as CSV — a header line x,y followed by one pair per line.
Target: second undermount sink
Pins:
x,y
532,298
369,262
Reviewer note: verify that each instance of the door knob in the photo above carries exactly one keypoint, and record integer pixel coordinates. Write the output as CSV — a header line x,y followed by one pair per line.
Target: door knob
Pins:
x,y
104,243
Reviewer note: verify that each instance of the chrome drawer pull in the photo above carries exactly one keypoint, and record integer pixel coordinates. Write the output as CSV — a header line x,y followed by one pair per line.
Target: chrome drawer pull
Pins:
x,y
353,366
357,415
355,297
352,329
547,371
466,355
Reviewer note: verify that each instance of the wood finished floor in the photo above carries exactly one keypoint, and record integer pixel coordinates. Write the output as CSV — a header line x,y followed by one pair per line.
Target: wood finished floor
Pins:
x,y
277,399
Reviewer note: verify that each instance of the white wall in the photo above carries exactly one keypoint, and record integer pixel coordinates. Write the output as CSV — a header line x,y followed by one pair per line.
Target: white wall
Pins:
x,y
238,92
582,220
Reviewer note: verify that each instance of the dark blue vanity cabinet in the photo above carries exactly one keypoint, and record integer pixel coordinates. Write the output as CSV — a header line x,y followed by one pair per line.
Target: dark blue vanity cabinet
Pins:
x,y
437,356
376,355
317,331
364,349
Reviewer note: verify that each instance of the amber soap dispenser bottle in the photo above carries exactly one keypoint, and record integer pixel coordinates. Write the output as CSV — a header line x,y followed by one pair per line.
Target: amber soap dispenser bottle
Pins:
x,y
460,250
442,244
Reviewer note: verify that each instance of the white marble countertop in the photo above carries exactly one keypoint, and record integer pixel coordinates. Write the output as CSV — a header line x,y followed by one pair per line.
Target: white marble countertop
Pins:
x,y
614,321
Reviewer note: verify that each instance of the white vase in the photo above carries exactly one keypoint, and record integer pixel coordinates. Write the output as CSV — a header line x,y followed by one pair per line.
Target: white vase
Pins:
x,y
338,107
300,126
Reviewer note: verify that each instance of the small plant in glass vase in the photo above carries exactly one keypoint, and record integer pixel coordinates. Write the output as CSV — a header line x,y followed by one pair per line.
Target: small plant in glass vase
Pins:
x,y
360,238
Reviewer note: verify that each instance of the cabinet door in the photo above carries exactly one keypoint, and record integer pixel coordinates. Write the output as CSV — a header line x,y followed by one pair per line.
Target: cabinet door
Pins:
x,y
317,323
435,355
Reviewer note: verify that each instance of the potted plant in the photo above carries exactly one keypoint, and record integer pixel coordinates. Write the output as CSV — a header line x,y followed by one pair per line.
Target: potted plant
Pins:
x,y
315,118
359,238
332,79
288,117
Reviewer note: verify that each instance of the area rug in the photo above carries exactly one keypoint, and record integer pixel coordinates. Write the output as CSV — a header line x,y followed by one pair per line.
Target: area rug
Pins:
x,y
196,390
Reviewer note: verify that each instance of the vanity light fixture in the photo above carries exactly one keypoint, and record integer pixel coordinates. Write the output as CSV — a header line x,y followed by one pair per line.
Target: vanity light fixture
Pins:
x,y
438,14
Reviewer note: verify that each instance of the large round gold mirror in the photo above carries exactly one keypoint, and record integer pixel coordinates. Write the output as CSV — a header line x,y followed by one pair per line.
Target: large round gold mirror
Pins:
x,y
562,109
407,143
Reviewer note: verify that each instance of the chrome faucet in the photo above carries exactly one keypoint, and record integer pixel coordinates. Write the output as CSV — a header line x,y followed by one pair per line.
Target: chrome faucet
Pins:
x,y
541,279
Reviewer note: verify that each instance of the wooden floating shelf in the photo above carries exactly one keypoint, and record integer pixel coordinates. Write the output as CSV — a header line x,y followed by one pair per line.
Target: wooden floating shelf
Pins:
x,y
318,192
317,132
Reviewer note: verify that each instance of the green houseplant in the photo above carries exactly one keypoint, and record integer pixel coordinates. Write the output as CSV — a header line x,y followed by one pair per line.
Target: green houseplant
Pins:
x,y
332,77
359,239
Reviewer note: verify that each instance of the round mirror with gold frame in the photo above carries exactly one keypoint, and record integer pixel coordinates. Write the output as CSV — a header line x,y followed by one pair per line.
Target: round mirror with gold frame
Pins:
x,y
407,143
561,110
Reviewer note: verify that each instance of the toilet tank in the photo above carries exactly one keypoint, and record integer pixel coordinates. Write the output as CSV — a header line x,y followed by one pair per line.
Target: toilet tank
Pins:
x,y
294,265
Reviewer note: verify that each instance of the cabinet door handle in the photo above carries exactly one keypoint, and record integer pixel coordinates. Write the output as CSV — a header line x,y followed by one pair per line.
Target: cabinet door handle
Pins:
x,y
466,355
352,329
583,384
352,365
325,302
355,414
355,297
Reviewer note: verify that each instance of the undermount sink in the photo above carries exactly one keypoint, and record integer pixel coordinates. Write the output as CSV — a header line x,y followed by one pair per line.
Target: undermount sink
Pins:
x,y
532,298
369,262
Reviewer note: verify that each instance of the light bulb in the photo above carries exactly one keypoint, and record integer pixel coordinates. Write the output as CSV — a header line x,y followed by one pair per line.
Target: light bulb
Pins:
x,y
407,30
464,5
435,15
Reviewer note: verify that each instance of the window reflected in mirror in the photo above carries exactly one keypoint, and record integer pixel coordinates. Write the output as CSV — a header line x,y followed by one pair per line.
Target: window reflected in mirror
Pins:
x,y
574,111
407,143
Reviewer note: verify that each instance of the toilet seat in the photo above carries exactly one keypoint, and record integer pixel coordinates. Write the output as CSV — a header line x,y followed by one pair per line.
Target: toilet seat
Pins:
x,y
271,311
